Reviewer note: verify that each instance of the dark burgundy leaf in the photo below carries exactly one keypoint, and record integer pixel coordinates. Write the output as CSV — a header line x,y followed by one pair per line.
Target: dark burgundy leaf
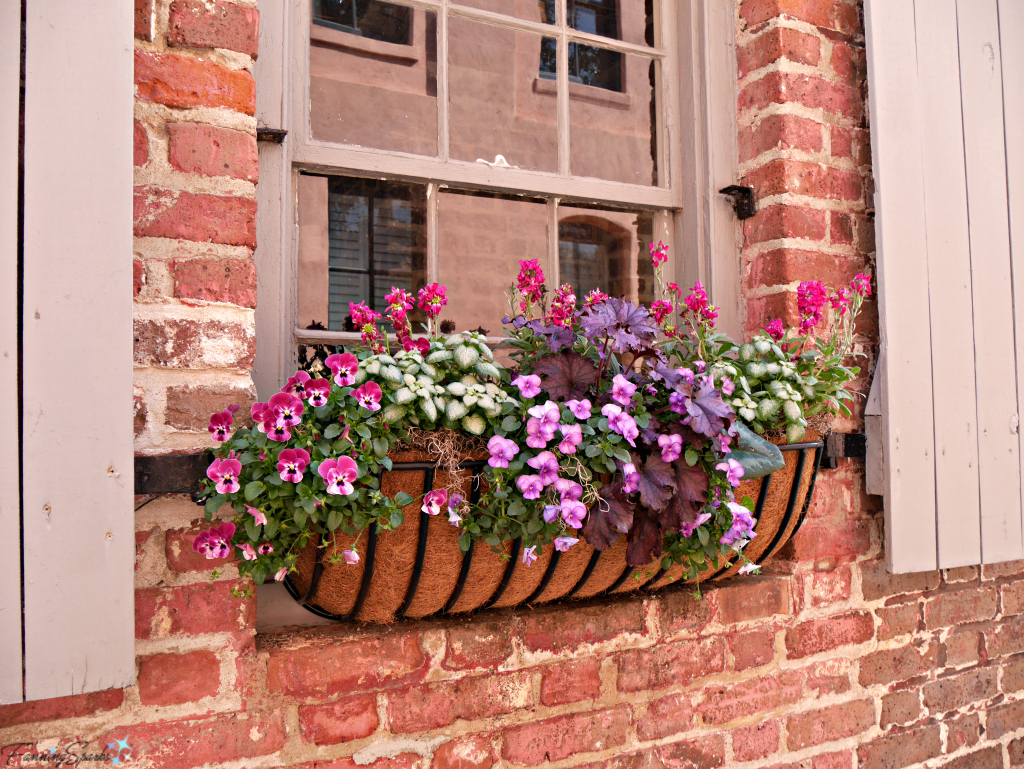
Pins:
x,y
689,436
567,375
651,432
644,538
691,494
709,414
657,482
610,517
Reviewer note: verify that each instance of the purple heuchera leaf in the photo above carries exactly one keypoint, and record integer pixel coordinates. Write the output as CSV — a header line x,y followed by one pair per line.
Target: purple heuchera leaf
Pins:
x,y
691,494
557,337
709,414
644,538
567,375
627,326
608,518
657,482
663,373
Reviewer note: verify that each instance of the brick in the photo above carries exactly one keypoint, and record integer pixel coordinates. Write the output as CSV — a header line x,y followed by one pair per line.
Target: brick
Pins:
x,y
851,143
829,587
197,148
669,715
336,722
899,750
144,19
829,676
232,281
900,708
797,177
833,99
987,758
180,343
481,644
1012,679
900,664
785,221
1013,598
961,607
472,752
194,742
189,408
960,574
780,132
174,679
669,664
899,620
198,24
680,613
775,44
558,738
708,752
432,707
138,277
1004,719
1015,750
754,742
752,599
199,218
140,415
571,682
963,648
949,694
140,144
207,607
877,583
182,558
849,64
832,723
1007,638
834,15
817,636
752,649
852,230
728,702
761,310
998,570
328,666
74,706
180,81
549,630
962,732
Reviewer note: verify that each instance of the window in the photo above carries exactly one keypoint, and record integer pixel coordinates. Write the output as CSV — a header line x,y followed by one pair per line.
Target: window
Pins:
x,y
367,18
589,65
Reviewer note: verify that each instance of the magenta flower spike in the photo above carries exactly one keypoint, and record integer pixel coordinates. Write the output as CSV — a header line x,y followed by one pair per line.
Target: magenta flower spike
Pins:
x,y
433,501
529,555
502,451
368,396
350,556
291,463
861,284
671,447
339,474
775,330
579,409
529,385
261,519
219,424
622,390
546,464
225,472
573,513
343,367
317,392
530,485
572,436
296,385
562,544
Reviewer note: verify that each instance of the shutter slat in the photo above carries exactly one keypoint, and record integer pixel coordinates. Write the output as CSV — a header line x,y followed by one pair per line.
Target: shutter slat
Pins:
x,y
10,563
77,373
902,268
949,287
998,445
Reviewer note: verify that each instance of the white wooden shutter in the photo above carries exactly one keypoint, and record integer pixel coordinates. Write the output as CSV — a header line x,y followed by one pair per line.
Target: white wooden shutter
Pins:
x,y
78,518
945,89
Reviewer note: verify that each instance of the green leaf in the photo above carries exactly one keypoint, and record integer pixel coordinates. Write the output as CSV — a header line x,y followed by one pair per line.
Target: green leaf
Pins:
x,y
380,447
253,489
402,499
214,503
758,457
509,423
271,527
364,431
397,518
325,448
386,462
691,457
332,431
702,535
252,529
334,519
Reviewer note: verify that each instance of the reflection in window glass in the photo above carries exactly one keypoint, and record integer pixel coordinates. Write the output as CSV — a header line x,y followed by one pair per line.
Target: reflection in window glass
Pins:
x,y
587,65
367,18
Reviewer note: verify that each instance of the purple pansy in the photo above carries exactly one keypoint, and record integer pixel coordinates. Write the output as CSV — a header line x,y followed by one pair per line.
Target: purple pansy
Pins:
x,y
573,513
537,436
622,390
733,471
572,436
631,478
742,526
502,451
546,464
671,447
568,489
687,529
562,544
530,485
550,513
579,409
529,555
677,402
529,385
433,501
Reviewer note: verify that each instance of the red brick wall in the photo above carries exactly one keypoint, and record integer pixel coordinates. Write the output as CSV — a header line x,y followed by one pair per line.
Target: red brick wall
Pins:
x,y
826,662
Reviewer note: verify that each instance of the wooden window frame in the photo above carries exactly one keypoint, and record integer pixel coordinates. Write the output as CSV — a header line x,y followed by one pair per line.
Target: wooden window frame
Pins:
x,y
697,155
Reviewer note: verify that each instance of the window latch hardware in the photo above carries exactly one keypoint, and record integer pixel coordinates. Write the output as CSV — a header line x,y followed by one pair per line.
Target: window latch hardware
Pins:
x,y
742,200
273,135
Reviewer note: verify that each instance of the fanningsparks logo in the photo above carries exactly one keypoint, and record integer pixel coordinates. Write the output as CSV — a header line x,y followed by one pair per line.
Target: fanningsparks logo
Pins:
x,y
116,753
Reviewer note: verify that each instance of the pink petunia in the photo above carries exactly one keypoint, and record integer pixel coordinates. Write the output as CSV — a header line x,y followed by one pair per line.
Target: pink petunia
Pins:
x,y
215,542
622,390
530,485
343,367
287,409
572,436
562,544
433,501
502,451
291,463
317,392
573,513
225,472
296,385
219,424
529,385
579,409
671,447
350,556
261,519
529,555
368,396
339,474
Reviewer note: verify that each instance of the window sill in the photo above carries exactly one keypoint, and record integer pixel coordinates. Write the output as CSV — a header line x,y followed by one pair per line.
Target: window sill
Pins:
x,y
378,49
587,93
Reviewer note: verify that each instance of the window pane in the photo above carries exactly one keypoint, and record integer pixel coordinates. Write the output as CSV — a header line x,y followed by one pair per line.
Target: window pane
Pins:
x,y
357,239
531,10
607,249
373,75
500,102
482,238
628,20
612,131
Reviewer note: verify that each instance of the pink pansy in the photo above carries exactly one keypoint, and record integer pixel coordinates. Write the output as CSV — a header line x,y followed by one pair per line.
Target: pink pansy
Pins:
x,y
621,423
433,501
287,409
281,574
579,409
562,544
568,489
317,392
279,433
291,463
247,552
219,424
775,330
368,396
530,485
529,556
572,436
687,529
537,436
550,513
343,367
742,525
261,519
339,474
733,471
529,385
720,443
631,478
677,402
547,413
573,513
296,385
265,549
225,472
546,464
728,386
215,542
671,447
622,390
350,556
502,451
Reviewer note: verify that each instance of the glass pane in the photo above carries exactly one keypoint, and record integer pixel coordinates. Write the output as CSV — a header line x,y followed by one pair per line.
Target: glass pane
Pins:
x,y
607,249
531,10
628,20
357,239
373,75
501,102
481,239
612,130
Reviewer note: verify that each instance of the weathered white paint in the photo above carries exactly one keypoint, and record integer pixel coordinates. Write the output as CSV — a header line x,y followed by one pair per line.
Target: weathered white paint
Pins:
x,y
77,450
903,278
10,527
874,477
